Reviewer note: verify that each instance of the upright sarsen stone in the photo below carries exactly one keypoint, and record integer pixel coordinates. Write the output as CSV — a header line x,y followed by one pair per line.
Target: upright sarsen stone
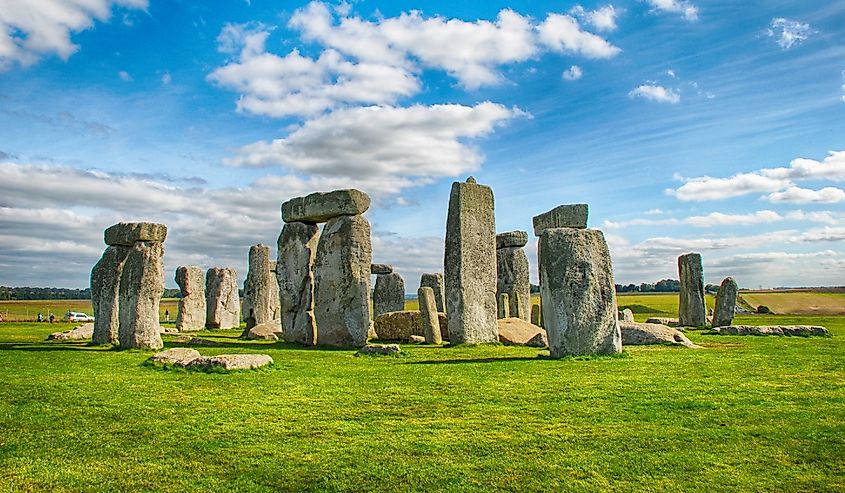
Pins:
x,y
192,311
723,315
222,301
388,294
578,294
342,279
105,294
141,287
470,265
297,252
430,317
435,282
261,288
692,311
512,272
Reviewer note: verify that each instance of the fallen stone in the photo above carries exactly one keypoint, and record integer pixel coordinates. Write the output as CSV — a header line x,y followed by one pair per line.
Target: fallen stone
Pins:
x,y
723,315
518,332
626,315
671,322
232,362
223,302
513,279
192,310
319,207
127,234
429,316
381,269
562,216
773,330
400,326
380,349
297,251
268,331
540,340
435,282
692,311
512,239
388,294
141,287
637,334
178,356
261,289
78,333
416,339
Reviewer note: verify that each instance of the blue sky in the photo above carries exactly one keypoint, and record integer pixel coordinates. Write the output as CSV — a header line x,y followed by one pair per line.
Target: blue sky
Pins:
x,y
716,127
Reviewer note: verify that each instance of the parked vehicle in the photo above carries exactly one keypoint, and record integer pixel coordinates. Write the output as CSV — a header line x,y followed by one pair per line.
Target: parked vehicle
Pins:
x,y
78,317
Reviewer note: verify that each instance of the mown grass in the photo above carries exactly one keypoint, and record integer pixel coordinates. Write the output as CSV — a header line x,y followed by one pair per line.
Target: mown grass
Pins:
x,y
28,310
745,414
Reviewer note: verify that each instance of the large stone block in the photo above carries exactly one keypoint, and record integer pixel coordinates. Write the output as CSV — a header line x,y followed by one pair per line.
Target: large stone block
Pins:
x,y
578,294
430,317
513,280
319,207
562,216
141,287
512,239
692,311
223,303
261,289
192,310
470,265
723,315
105,294
297,252
388,294
400,326
381,269
435,282
342,280
127,234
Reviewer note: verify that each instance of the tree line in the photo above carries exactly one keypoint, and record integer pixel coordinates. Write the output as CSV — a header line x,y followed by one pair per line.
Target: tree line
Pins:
x,y
29,293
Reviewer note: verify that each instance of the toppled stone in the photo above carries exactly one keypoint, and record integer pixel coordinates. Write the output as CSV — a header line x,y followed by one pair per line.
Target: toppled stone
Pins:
x,y
78,333
773,330
127,234
178,356
297,252
141,287
388,294
400,326
516,331
562,216
268,331
195,341
671,322
723,315
261,289
416,339
692,311
513,280
319,207
223,302
512,239
380,349
540,340
192,310
429,316
435,282
232,362
381,269
470,265
637,334
626,315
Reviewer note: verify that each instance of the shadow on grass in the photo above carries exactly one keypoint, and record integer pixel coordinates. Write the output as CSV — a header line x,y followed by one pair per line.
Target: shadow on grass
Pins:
x,y
476,360
51,346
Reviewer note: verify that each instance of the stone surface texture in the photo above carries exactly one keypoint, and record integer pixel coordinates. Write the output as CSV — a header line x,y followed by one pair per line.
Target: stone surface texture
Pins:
x,y
342,282
388,294
127,234
380,349
773,330
636,334
319,207
511,239
178,356
429,315
141,287
381,269
671,322
78,333
223,302
105,294
268,331
232,361
192,310
535,315
578,293
297,252
513,279
503,308
692,311
723,315
261,289
626,315
435,282
562,216
516,331
470,265
399,326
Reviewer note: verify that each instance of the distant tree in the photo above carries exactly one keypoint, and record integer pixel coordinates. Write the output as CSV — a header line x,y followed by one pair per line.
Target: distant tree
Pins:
x,y
667,286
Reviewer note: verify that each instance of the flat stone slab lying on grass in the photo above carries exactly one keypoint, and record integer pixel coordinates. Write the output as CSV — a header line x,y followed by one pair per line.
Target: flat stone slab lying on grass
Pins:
x,y
773,330
380,349
78,333
518,332
178,356
194,341
637,334
671,322
268,331
232,361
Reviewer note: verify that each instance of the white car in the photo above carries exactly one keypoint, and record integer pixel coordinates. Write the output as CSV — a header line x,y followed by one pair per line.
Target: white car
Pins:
x,y
78,317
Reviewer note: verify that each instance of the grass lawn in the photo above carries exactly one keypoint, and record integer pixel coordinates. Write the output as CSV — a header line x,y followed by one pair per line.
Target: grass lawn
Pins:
x,y
27,310
798,303
747,413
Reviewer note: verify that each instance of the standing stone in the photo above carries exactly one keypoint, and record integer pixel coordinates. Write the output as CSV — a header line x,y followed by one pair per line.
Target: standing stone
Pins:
x,y
342,279
503,306
223,303
578,294
192,309
470,263
512,271
725,303
562,216
261,289
141,287
535,314
321,206
435,282
297,252
430,317
105,293
388,294
691,310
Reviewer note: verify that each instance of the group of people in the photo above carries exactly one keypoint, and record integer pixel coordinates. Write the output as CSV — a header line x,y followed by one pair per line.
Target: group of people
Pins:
x,y
51,318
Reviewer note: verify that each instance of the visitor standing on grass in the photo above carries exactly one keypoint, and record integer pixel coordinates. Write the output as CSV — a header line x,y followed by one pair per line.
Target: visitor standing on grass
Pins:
x,y
167,315
52,318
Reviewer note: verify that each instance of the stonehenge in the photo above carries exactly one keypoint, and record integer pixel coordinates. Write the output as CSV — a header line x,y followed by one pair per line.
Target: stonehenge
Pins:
x,y
297,249
562,216
261,288
692,311
192,310
470,264
223,305
435,282
512,270
127,284
503,306
430,318
723,315
389,292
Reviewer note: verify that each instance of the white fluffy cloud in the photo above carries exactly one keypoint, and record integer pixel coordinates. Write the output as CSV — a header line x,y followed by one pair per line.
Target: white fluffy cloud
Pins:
x,y
798,195
657,93
602,19
562,33
687,9
788,33
30,29
573,73
721,219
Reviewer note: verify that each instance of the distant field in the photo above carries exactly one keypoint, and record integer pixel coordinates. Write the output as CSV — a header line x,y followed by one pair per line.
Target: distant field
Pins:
x,y
28,310
798,302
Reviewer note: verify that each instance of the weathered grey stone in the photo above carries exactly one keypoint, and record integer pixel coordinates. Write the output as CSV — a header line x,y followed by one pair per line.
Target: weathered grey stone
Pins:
x,y
380,349
141,287
178,356
513,279
297,252
195,341
430,318
78,333
671,322
319,207
127,234
516,331
539,340
388,294
512,239
105,294
268,331
400,326
535,314
223,302
342,280
773,330
725,303
381,269
503,309
636,334
192,310
578,294
562,216
626,315
232,361
261,289
435,282
470,263
692,311
416,339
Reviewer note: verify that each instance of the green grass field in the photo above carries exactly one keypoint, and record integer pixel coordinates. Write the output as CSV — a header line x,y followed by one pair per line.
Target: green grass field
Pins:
x,y
798,303
744,414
